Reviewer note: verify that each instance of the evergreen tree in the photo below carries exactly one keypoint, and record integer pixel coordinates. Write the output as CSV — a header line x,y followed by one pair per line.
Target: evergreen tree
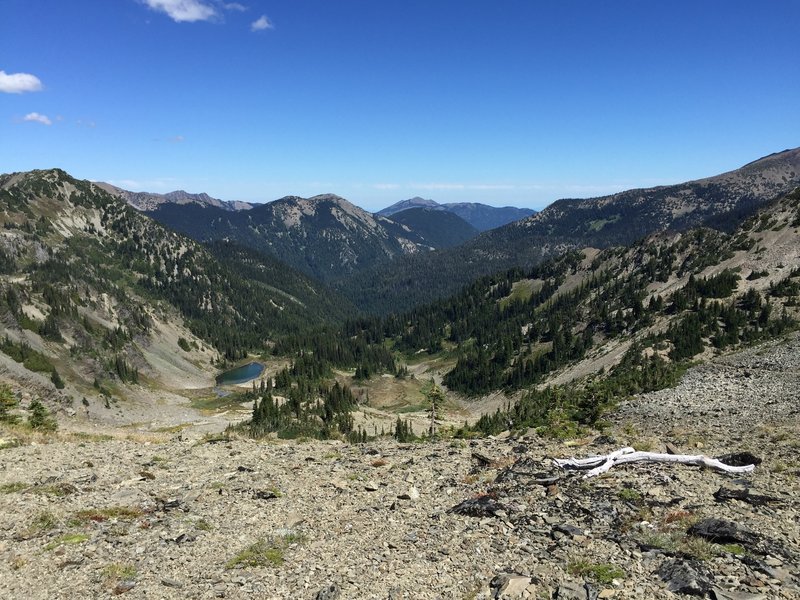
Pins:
x,y
7,403
56,379
402,431
436,399
40,418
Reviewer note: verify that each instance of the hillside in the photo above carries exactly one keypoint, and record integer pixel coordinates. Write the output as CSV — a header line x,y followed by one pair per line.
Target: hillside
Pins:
x,y
174,516
441,229
635,313
720,202
99,297
325,236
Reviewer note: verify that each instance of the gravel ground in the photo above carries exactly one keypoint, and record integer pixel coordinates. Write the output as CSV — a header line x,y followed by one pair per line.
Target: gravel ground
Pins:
x,y
243,519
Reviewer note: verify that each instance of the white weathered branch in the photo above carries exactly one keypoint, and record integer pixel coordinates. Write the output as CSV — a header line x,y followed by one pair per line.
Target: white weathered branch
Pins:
x,y
601,464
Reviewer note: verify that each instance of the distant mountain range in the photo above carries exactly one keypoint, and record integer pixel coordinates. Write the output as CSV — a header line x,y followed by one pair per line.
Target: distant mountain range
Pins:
x,y
481,216
325,236
147,201
433,248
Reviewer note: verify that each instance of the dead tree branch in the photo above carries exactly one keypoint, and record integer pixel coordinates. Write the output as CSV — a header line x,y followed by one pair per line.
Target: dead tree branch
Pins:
x,y
601,464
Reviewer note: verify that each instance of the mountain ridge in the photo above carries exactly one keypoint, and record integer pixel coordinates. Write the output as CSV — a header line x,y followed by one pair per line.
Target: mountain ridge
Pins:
x,y
481,216
721,201
145,201
324,236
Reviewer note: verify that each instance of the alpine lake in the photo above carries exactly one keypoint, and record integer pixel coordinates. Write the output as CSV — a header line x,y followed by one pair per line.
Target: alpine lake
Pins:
x,y
240,374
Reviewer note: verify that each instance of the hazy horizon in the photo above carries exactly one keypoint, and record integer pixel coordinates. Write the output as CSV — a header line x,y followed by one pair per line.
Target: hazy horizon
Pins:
x,y
512,104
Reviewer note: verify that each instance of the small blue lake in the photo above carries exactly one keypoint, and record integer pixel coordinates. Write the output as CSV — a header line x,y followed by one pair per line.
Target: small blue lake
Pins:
x,y
240,374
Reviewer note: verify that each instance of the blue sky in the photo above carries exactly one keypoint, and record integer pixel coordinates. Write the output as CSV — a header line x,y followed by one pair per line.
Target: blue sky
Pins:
x,y
506,102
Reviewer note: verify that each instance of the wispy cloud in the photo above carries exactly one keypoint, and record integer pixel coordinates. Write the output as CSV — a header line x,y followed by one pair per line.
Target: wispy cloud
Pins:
x,y
556,189
35,117
234,6
150,185
18,83
463,186
261,24
184,11
177,139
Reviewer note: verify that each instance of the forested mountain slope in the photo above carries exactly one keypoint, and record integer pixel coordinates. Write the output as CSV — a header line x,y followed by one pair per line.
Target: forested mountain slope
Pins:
x,y
324,236
629,316
93,286
441,228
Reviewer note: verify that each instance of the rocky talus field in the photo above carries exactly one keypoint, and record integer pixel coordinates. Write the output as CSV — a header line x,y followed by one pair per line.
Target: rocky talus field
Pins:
x,y
192,517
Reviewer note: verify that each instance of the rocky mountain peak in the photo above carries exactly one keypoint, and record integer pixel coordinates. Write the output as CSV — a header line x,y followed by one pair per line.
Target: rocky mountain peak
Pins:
x,y
415,202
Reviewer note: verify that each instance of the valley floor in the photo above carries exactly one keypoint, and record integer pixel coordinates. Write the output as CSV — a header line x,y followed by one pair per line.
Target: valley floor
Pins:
x,y
187,518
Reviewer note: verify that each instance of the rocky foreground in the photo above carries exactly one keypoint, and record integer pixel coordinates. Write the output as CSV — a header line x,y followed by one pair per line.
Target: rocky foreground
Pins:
x,y
189,518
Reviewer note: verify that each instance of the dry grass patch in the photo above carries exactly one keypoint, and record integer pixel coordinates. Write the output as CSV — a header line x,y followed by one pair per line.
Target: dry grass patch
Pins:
x,y
41,523
20,434
12,487
671,534
265,552
119,576
97,515
83,436
58,490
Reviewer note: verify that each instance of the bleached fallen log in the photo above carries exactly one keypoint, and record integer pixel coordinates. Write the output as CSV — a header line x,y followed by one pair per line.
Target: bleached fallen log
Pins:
x,y
601,464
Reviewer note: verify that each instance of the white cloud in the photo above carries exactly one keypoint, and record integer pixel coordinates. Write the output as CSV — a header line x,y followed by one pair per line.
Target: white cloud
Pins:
x,y
234,6
139,185
17,83
184,11
556,188
261,24
37,118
